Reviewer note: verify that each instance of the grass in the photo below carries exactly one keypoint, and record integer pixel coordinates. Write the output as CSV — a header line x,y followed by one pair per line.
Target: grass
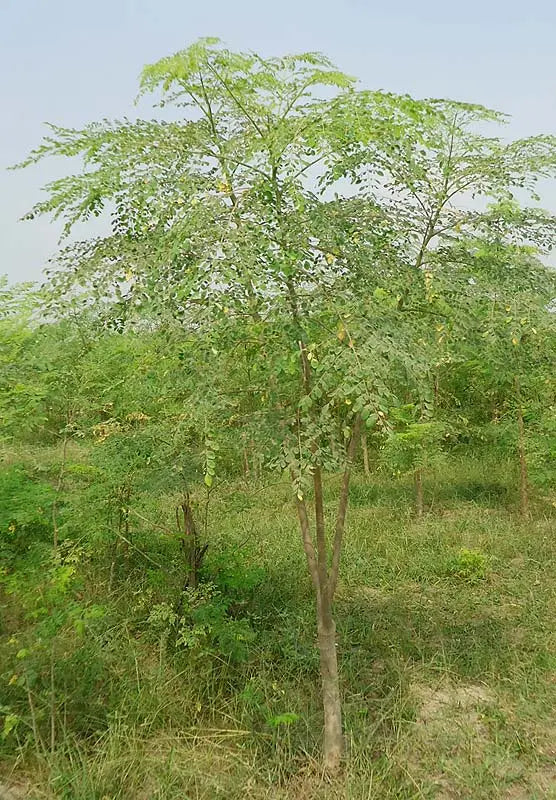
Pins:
x,y
446,643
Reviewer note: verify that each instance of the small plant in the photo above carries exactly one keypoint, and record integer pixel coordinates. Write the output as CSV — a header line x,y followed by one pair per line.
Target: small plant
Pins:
x,y
469,565
204,626
283,720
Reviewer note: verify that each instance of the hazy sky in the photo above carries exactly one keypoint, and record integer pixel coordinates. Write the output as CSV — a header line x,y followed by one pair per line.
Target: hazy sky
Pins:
x,y
74,61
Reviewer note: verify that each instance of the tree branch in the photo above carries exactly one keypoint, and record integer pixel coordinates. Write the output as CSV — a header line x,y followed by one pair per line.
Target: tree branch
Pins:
x,y
342,508
308,544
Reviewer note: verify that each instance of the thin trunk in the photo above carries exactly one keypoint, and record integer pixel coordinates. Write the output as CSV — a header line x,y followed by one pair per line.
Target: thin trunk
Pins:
x,y
322,560
365,449
333,745
308,547
523,473
342,506
419,504
190,542
193,551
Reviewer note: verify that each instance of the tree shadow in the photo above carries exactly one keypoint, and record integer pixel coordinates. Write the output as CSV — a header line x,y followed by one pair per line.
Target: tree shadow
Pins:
x,y
470,642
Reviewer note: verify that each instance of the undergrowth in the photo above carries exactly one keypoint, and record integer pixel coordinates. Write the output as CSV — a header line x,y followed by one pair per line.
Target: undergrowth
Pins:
x,y
115,684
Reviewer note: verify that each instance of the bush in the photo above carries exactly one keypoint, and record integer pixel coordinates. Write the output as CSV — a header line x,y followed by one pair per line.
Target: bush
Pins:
x,y
24,513
469,565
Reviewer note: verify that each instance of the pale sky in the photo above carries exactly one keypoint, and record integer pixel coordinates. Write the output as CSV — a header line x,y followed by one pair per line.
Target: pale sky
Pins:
x,y
75,61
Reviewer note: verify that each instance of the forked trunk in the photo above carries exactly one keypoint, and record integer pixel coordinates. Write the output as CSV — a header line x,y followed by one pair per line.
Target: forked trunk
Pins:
x,y
325,578
419,503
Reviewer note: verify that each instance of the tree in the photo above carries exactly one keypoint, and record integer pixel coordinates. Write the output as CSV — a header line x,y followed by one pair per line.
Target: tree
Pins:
x,y
215,223
502,361
273,225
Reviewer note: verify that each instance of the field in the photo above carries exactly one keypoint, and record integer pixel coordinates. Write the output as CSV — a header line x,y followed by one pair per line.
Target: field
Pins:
x,y
445,639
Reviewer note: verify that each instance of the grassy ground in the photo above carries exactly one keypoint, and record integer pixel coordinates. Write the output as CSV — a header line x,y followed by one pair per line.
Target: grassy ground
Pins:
x,y
446,643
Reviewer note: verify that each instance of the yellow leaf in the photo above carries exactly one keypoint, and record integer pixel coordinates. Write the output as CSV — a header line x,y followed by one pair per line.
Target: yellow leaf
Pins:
x,y
12,680
330,258
515,341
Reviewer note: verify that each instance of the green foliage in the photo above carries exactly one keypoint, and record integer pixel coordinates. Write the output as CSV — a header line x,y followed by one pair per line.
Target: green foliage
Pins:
x,y
24,514
418,445
469,565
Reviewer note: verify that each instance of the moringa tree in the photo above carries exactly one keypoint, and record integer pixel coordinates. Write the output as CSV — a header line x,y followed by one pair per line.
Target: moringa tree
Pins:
x,y
225,220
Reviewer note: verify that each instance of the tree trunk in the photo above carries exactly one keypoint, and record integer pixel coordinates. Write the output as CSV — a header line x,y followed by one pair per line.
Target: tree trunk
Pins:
x,y
333,745
523,474
193,551
365,450
190,542
324,583
419,504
